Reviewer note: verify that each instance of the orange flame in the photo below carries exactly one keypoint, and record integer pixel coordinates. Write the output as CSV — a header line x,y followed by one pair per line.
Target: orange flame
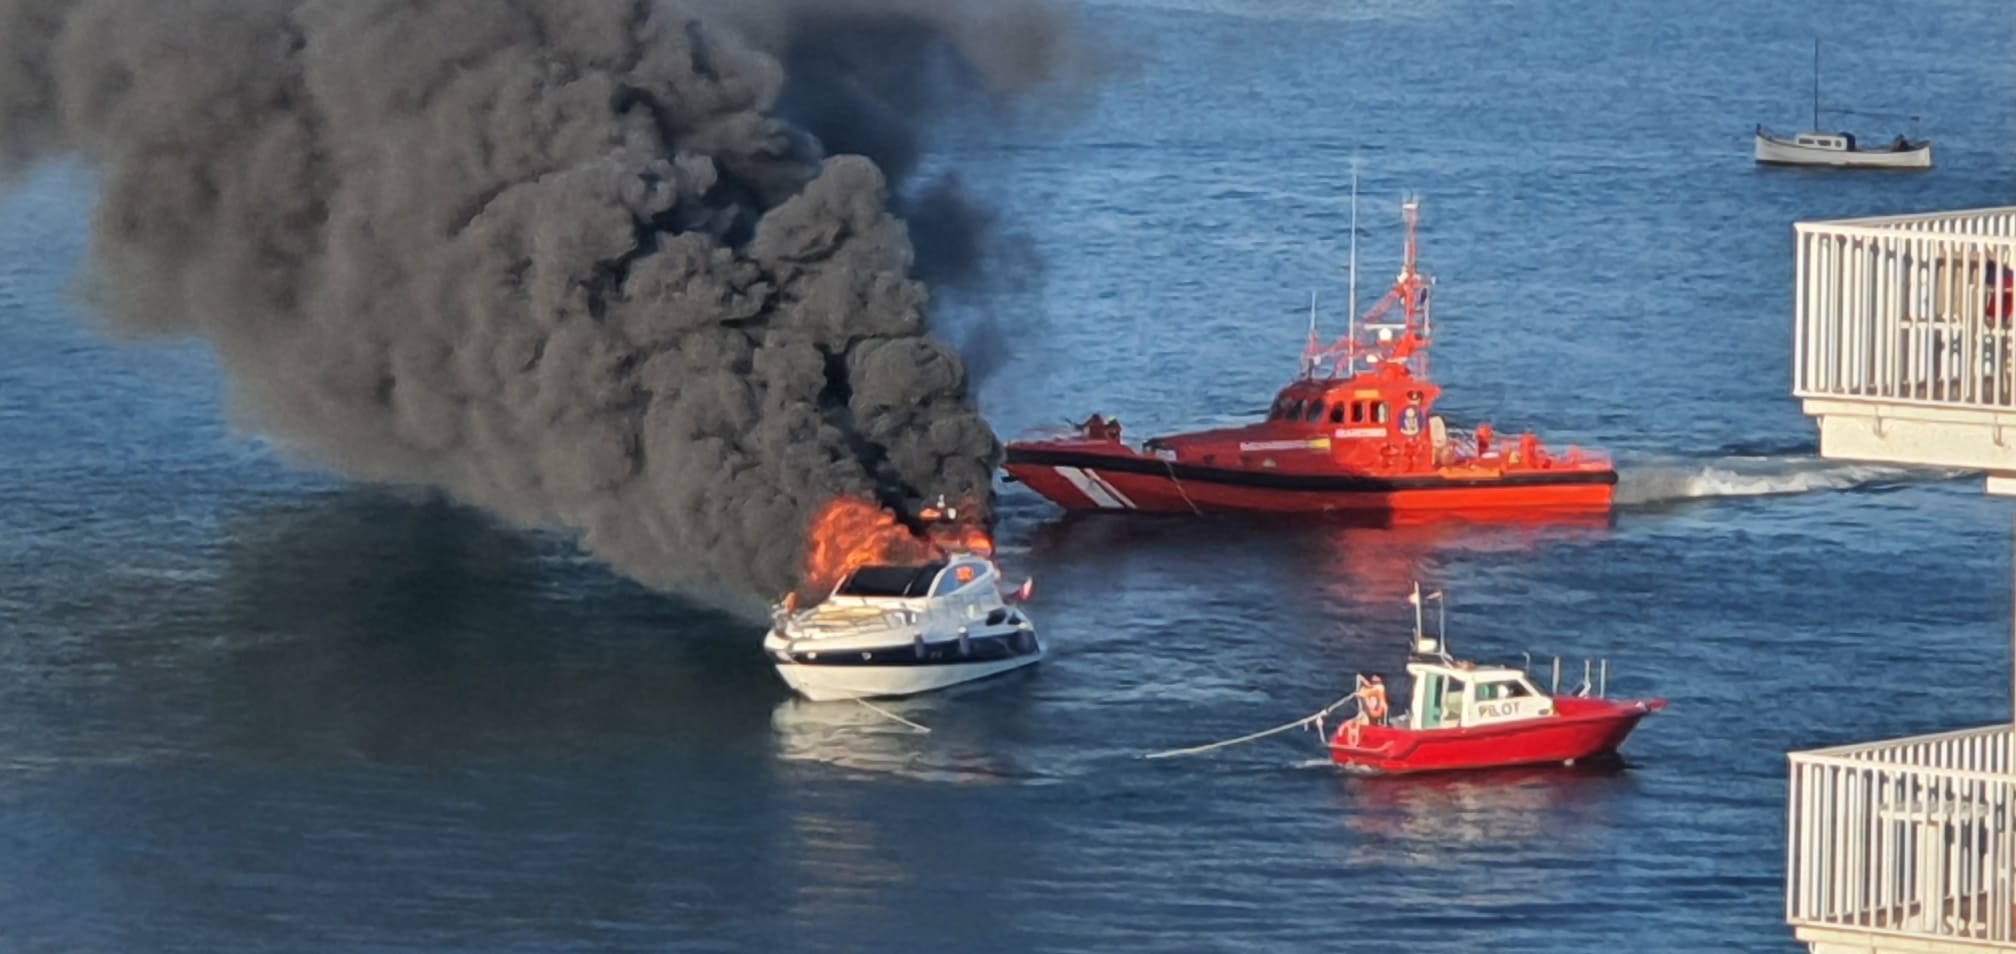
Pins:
x,y
967,538
851,532
954,527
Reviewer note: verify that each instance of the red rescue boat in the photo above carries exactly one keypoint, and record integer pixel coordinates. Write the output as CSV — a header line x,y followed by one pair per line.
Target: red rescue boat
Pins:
x,y
1470,716
1355,431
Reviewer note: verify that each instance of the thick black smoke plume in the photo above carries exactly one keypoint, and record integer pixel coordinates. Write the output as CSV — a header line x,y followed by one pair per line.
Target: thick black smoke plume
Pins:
x,y
620,266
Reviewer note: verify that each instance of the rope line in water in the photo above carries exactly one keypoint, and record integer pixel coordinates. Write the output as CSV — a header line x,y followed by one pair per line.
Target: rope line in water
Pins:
x,y
878,710
1298,723
1171,467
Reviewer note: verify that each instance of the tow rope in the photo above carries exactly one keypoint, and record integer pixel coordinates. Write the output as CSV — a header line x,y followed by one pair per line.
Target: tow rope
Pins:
x,y
878,710
1315,717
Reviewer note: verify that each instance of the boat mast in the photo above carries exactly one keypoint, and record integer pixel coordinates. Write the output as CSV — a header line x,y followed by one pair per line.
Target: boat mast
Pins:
x,y
1409,286
1309,358
1417,616
1423,646
1816,84
1351,330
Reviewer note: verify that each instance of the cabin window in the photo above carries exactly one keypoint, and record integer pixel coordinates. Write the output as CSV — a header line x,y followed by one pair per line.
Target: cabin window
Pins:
x,y
1294,410
952,580
1452,702
1428,702
901,581
1357,412
1379,411
1337,413
1315,411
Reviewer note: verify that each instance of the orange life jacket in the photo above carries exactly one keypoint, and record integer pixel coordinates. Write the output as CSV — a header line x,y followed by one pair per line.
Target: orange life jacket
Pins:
x,y
1375,701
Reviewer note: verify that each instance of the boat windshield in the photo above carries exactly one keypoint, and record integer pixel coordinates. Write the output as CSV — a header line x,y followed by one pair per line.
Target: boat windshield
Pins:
x,y
890,580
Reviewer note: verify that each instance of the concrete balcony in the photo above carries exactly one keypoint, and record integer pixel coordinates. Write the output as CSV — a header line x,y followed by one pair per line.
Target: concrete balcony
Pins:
x,y
1903,349
1904,845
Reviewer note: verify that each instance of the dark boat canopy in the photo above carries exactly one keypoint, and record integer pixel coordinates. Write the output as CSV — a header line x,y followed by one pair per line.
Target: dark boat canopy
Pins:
x,y
898,581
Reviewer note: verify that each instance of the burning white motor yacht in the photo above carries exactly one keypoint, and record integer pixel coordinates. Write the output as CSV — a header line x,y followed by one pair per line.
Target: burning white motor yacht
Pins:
x,y
901,630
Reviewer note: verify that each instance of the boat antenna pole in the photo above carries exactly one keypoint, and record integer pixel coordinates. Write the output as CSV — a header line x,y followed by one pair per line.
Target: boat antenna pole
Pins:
x,y
1417,613
1351,332
1408,285
1309,356
1442,622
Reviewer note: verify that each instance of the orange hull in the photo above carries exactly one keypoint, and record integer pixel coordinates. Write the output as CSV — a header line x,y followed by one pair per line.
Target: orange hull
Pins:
x,y
1085,475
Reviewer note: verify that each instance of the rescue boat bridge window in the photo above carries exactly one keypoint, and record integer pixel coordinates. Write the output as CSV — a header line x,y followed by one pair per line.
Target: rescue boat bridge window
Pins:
x,y
1337,413
1379,412
1315,412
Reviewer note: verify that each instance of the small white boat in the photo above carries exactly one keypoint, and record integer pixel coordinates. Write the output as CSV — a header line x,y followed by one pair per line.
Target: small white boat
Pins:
x,y
1839,149
902,630
1823,147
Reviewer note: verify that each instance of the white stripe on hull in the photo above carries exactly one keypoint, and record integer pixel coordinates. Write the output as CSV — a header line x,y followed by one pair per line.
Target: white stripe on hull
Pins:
x,y
1096,488
829,683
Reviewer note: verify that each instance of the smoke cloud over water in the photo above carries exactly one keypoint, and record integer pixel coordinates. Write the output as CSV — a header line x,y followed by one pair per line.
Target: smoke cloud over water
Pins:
x,y
635,269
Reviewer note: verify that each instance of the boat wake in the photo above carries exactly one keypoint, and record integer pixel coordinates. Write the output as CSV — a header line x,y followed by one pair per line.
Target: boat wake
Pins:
x,y
1654,483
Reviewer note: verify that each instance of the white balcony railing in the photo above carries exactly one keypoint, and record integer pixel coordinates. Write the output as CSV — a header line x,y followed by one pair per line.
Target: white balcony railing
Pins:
x,y
1908,309
1910,837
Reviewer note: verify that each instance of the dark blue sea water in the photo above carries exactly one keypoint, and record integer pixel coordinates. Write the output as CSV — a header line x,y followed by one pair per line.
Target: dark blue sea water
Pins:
x,y
248,708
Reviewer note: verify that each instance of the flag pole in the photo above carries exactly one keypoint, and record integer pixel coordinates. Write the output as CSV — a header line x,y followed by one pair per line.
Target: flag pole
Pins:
x,y
1416,600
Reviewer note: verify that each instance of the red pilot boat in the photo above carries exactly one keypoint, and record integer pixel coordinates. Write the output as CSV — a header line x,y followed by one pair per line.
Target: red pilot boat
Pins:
x,y
1470,716
1355,431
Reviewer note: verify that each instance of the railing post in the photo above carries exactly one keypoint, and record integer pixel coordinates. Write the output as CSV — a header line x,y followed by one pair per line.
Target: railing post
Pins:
x,y
1795,840
1802,359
